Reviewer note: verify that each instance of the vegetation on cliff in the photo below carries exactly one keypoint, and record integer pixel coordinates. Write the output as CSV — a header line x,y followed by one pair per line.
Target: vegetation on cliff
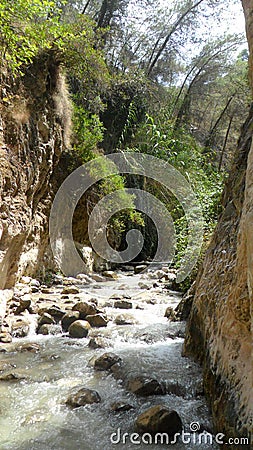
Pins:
x,y
148,83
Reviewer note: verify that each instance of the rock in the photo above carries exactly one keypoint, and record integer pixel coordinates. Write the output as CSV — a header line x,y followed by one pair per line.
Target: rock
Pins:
x,y
98,320
79,329
35,283
5,337
70,290
46,290
106,361
19,328
49,329
145,386
29,347
123,304
140,268
5,296
45,319
56,312
110,274
4,365
11,376
159,419
25,280
69,318
23,305
85,309
124,319
121,407
98,278
170,313
97,342
174,388
83,397
143,285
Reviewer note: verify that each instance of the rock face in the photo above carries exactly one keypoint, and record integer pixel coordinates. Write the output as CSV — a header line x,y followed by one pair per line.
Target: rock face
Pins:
x,y
34,124
219,331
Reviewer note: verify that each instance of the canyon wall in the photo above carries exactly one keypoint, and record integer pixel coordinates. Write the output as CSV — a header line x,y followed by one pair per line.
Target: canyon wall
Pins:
x,y
35,124
219,332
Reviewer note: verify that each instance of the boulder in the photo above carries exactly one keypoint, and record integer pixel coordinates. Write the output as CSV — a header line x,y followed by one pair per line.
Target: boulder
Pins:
x,y
29,347
170,313
121,407
70,290
79,329
106,361
56,312
45,319
159,419
83,397
98,320
110,274
85,309
19,328
5,337
47,328
124,319
145,386
123,304
97,342
140,268
69,318
23,305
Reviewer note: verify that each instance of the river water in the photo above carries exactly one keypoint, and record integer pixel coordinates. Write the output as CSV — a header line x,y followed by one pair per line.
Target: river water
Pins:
x,y
33,414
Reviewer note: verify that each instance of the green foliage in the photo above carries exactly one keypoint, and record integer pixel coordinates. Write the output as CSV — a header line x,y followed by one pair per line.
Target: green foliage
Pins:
x,y
158,138
88,133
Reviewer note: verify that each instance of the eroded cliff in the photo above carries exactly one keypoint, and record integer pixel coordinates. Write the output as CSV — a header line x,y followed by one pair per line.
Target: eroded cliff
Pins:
x,y
35,123
219,329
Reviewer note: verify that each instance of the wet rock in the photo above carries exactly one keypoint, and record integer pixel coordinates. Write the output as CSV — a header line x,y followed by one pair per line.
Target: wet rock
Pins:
x,y
174,388
23,305
116,297
98,320
145,386
35,283
11,376
106,361
46,290
49,329
97,342
121,407
98,278
79,329
69,318
140,268
29,347
19,328
85,309
159,419
45,319
170,313
110,274
4,365
124,319
5,337
83,397
56,312
123,304
70,290
143,285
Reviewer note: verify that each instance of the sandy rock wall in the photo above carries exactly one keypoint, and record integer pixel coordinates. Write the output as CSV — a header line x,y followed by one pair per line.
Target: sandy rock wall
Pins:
x,y
219,331
35,122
